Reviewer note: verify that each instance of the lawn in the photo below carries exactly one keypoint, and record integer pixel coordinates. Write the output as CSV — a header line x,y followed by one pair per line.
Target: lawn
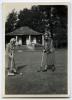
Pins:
x,y
33,82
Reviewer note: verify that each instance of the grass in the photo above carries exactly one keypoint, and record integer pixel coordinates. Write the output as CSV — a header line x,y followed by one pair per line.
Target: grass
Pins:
x,y
33,82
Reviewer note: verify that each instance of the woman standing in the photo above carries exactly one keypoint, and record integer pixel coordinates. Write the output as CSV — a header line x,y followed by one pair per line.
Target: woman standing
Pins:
x,y
48,58
10,55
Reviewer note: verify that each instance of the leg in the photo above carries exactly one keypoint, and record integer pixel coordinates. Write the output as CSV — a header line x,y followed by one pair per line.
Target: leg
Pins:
x,y
53,61
41,67
10,63
14,68
46,58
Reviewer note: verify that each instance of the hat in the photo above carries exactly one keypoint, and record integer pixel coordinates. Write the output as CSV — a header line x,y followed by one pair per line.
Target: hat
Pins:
x,y
12,40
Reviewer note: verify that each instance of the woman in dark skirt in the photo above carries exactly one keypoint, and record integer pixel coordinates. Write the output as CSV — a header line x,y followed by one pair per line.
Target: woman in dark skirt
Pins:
x,y
48,57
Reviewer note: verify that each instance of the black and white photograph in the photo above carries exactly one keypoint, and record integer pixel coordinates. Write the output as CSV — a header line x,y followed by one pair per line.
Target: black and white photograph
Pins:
x,y
36,49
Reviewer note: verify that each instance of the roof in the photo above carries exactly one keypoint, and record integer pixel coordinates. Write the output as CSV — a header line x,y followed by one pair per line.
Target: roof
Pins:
x,y
24,31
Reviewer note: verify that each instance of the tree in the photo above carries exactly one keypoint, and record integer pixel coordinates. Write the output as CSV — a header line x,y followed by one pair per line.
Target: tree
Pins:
x,y
37,17
54,17
31,18
11,22
24,18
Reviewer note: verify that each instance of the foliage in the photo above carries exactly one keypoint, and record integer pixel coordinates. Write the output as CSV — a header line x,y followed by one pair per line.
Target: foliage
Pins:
x,y
38,17
11,21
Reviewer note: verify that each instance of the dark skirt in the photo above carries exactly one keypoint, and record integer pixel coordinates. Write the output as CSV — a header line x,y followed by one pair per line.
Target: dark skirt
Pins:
x,y
49,59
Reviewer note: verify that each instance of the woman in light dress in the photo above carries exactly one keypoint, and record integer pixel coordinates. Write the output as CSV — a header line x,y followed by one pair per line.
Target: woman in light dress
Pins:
x,y
10,49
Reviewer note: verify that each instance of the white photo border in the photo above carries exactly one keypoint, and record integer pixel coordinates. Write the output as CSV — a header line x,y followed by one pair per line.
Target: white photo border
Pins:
x,y
69,52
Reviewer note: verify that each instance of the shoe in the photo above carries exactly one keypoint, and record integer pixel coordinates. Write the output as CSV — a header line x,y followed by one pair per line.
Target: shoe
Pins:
x,y
40,70
14,70
11,74
45,70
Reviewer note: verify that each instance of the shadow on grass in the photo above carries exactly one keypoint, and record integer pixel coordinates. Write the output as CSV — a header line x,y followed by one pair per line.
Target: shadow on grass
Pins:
x,y
19,68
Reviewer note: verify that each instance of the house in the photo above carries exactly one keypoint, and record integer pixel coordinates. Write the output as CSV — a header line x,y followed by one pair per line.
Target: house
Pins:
x,y
25,36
